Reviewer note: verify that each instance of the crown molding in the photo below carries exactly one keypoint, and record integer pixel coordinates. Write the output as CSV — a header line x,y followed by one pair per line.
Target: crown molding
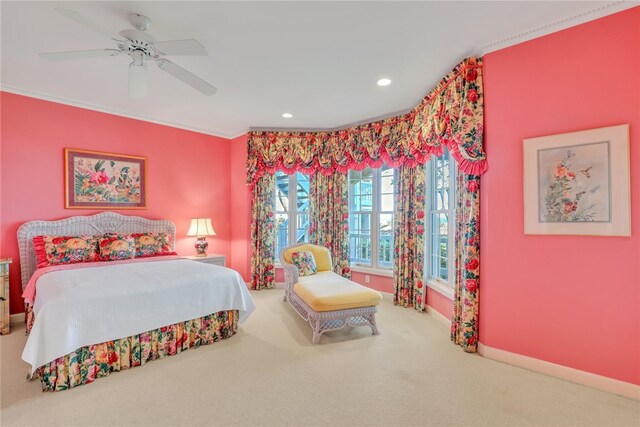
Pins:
x,y
561,24
88,106
333,129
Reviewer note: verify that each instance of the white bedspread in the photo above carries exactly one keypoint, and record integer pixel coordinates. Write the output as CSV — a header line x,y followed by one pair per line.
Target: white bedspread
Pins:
x,y
85,306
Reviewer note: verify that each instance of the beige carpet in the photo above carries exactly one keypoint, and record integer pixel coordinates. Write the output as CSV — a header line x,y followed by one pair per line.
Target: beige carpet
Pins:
x,y
271,374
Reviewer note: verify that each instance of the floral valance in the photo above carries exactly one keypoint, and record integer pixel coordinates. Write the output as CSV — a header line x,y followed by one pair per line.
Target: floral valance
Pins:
x,y
450,115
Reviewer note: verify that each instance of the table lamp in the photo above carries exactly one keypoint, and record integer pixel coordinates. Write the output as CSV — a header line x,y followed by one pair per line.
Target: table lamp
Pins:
x,y
201,228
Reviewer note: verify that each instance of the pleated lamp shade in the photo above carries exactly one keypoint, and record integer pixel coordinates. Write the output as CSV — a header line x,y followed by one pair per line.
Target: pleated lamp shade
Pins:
x,y
201,227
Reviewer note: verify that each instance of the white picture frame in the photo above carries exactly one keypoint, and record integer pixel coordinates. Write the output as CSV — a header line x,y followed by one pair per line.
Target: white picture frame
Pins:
x,y
578,183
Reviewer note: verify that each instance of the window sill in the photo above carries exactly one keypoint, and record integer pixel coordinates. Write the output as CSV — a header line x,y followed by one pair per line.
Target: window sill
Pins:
x,y
370,270
441,288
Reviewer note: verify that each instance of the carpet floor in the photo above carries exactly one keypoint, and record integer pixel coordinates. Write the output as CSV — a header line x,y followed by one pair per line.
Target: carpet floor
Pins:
x,y
271,374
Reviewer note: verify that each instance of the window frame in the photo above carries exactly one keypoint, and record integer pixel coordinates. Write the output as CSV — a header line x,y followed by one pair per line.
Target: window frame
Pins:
x,y
375,266
444,287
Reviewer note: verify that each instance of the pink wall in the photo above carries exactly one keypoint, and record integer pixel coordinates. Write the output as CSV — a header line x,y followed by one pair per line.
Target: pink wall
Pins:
x,y
379,283
188,173
435,300
569,300
240,209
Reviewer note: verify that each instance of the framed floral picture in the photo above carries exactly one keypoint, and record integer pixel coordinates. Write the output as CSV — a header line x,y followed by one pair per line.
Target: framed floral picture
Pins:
x,y
578,183
96,180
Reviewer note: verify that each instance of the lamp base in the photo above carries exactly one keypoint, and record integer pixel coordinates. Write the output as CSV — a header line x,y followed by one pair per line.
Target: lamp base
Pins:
x,y
201,246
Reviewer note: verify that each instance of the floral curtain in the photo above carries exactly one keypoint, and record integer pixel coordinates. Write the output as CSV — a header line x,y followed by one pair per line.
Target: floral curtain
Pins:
x,y
451,115
464,324
263,234
329,211
408,237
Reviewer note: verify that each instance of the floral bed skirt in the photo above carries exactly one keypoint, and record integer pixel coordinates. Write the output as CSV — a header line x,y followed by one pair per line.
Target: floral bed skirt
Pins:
x,y
86,364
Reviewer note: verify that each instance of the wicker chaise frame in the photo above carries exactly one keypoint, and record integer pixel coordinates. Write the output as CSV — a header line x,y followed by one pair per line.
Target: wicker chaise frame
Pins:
x,y
323,321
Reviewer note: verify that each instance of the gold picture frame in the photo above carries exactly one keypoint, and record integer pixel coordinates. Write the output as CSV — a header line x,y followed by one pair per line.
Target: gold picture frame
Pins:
x,y
101,180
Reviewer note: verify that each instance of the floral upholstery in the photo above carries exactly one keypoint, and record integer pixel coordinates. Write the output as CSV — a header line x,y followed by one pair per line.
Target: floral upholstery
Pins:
x,y
87,363
56,250
152,244
116,247
305,262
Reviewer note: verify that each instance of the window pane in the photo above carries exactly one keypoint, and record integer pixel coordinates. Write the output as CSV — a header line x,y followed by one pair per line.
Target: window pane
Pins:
x,y
282,192
387,176
360,238
443,225
439,172
365,222
439,200
386,202
302,192
366,190
282,232
302,228
438,245
445,172
444,269
385,252
435,266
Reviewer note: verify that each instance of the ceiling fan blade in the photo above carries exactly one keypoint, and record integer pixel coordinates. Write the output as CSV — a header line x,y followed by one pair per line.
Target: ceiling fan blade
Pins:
x,y
79,54
180,47
72,14
137,81
181,74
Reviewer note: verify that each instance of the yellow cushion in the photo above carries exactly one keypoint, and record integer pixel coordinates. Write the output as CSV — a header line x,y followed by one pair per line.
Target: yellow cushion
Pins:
x,y
320,253
328,291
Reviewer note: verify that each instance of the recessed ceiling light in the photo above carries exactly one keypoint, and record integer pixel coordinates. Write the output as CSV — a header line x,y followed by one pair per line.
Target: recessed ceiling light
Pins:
x,y
287,115
384,82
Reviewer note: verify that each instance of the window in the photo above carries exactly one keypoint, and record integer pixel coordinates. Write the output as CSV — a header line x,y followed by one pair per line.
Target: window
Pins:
x,y
371,217
440,248
291,198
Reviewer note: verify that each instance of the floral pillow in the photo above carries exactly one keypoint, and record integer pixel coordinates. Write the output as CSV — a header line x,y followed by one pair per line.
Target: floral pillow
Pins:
x,y
115,247
56,250
305,262
152,244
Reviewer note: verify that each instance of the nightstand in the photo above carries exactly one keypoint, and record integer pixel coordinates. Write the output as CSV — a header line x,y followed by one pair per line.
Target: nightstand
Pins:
x,y
5,322
209,259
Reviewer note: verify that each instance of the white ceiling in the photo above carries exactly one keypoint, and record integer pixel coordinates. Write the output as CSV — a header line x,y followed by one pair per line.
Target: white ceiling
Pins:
x,y
317,60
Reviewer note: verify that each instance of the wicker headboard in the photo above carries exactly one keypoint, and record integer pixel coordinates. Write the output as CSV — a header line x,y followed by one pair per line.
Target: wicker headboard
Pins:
x,y
105,222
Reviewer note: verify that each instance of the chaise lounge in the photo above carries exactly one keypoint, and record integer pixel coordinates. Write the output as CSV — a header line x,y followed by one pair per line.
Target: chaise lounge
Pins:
x,y
325,299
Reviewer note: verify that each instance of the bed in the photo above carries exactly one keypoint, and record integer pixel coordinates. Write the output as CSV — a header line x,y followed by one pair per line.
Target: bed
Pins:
x,y
89,319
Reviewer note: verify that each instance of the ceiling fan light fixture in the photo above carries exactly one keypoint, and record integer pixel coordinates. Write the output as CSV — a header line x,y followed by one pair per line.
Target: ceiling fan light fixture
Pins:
x,y
137,81
139,22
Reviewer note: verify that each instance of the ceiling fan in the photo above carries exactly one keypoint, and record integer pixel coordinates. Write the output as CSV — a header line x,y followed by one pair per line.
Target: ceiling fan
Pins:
x,y
142,48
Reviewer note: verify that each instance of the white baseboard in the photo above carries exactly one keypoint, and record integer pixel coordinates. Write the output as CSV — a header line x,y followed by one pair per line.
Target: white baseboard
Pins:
x,y
588,379
438,317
